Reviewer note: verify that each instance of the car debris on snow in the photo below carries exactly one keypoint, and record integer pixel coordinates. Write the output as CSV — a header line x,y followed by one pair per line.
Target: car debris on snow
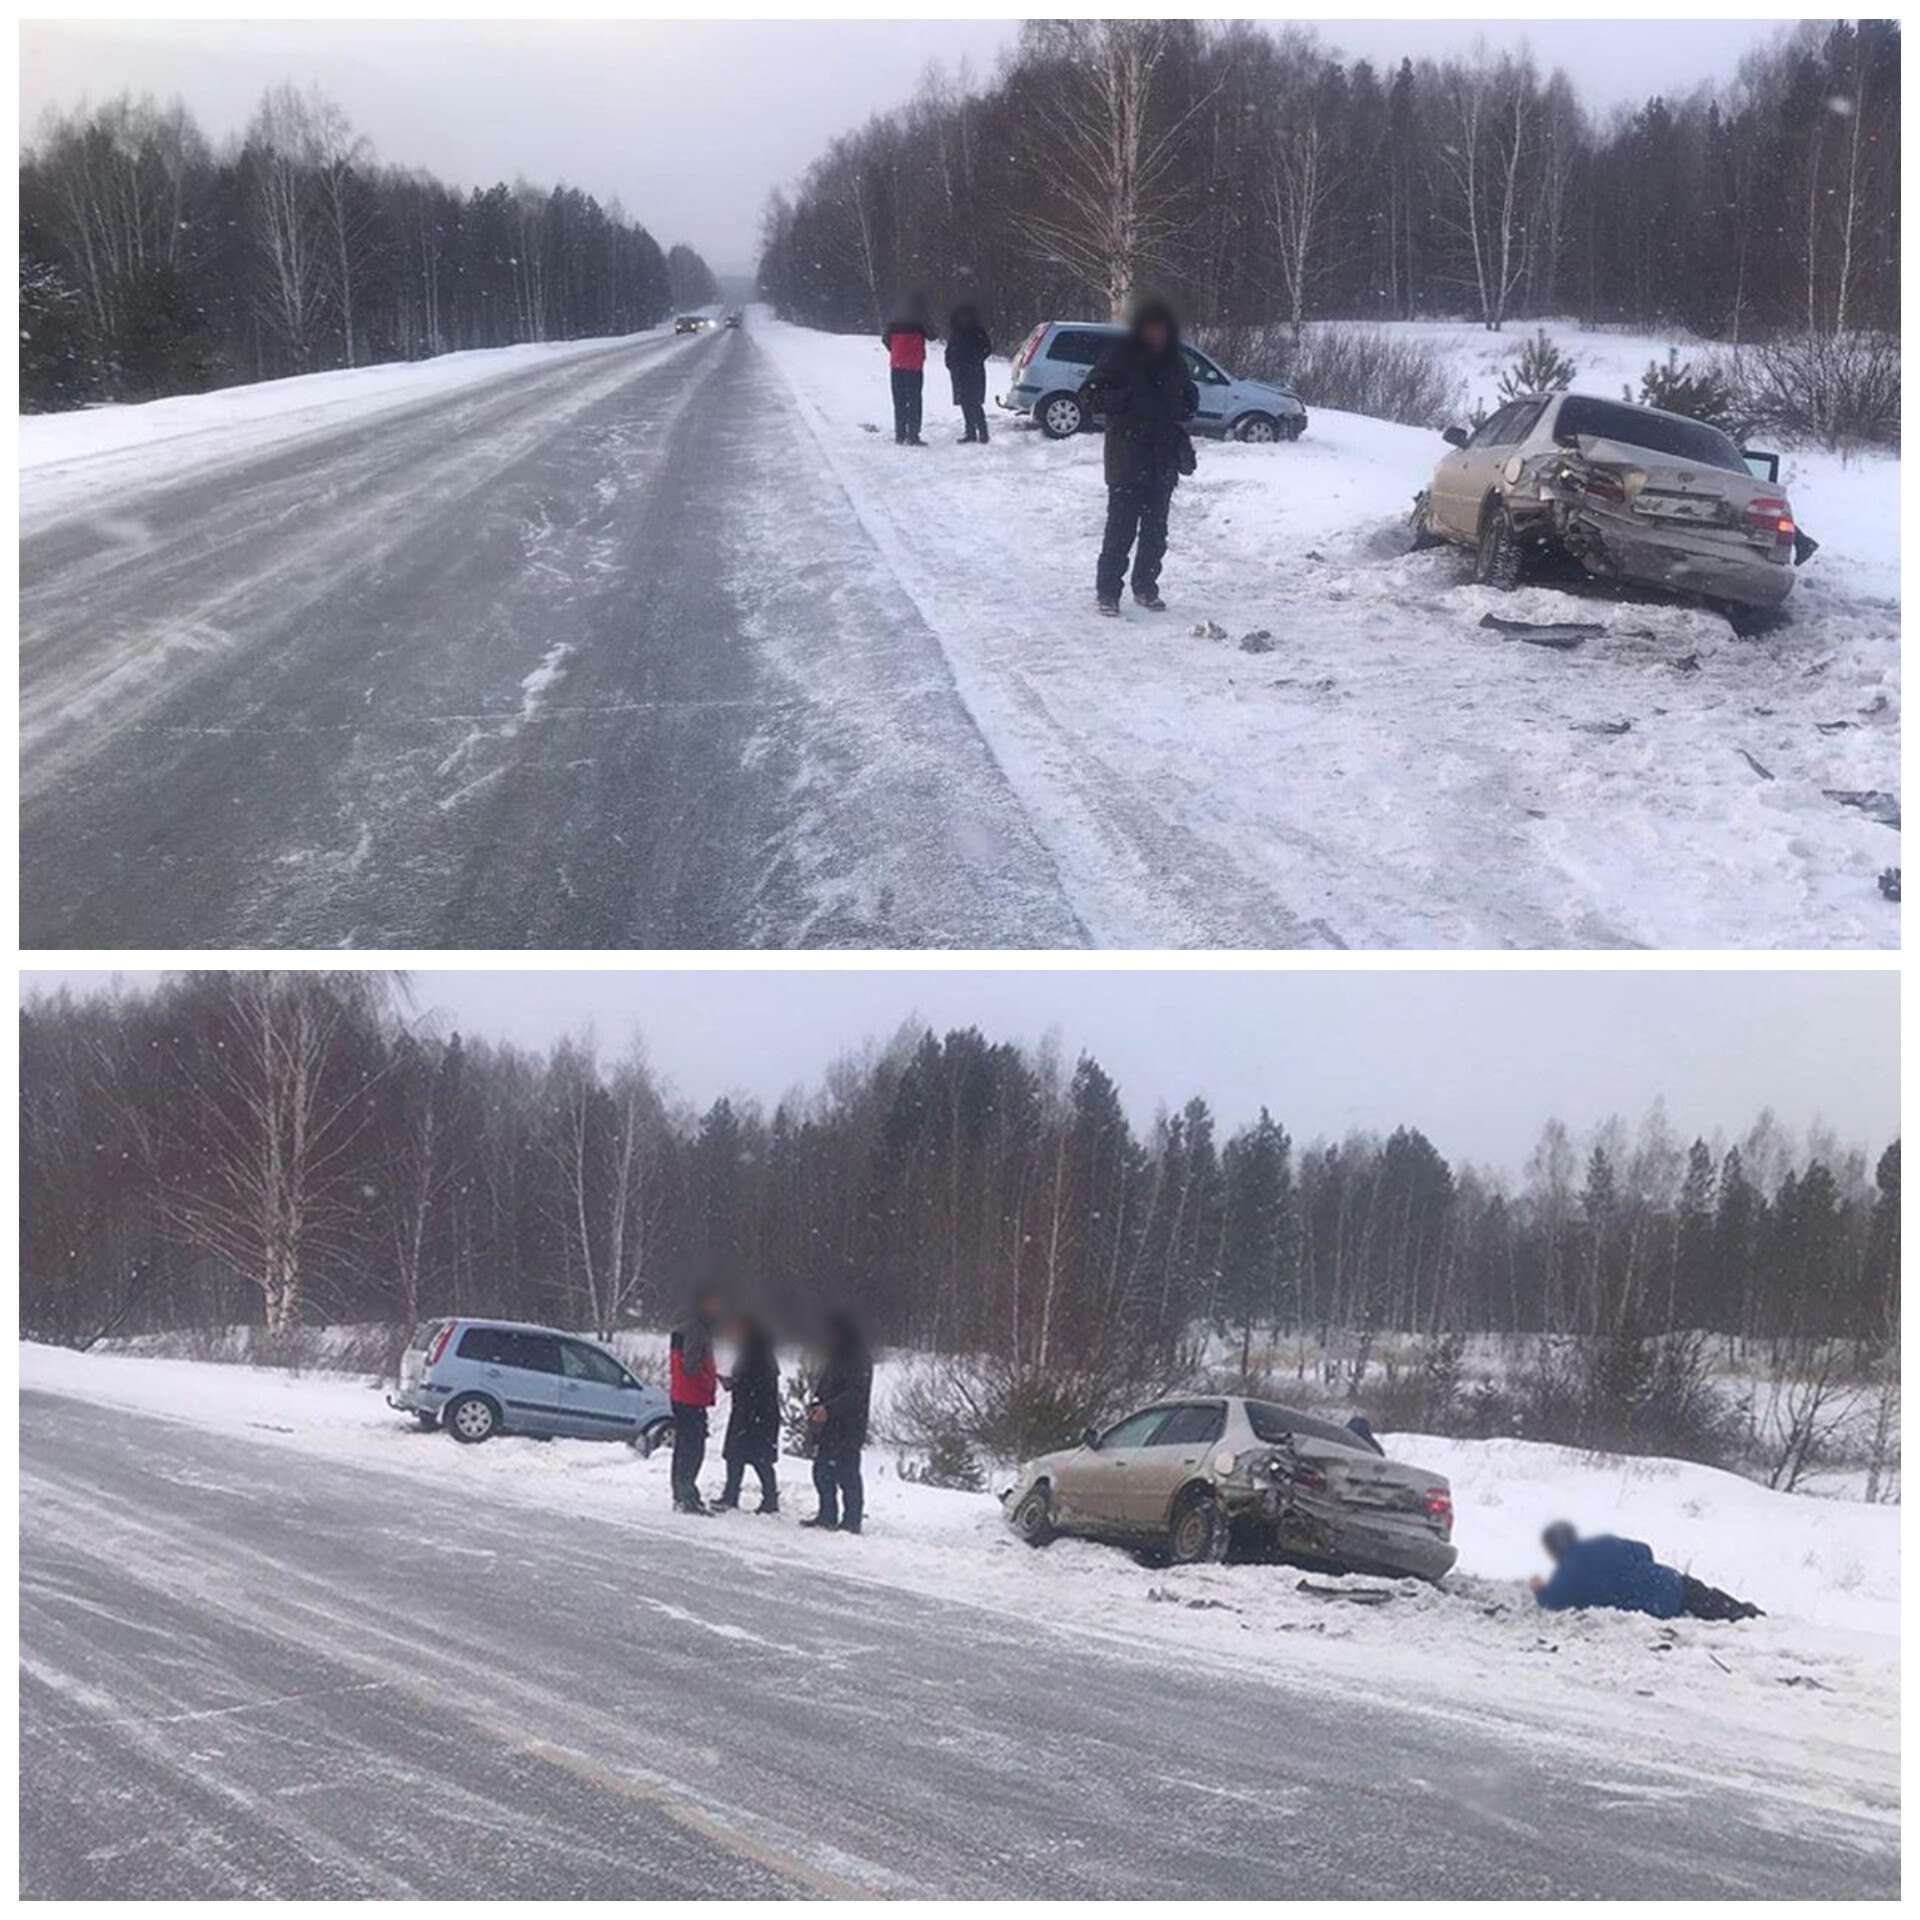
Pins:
x,y
1209,630
1258,641
1877,806
1354,1596
1890,882
1612,729
1545,633
1755,764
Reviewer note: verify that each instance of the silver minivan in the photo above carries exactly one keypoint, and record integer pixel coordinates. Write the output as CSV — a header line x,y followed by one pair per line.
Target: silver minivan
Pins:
x,y
477,1378
1056,357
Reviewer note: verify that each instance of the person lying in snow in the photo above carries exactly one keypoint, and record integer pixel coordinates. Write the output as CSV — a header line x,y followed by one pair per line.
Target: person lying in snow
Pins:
x,y
1607,1571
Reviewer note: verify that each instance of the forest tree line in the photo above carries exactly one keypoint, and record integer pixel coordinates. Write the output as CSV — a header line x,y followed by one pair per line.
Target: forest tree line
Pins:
x,y
278,1148
154,263
1257,177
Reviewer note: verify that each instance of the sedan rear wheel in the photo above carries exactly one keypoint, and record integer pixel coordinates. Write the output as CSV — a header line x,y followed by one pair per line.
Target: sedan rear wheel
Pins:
x,y
472,1418
1199,1529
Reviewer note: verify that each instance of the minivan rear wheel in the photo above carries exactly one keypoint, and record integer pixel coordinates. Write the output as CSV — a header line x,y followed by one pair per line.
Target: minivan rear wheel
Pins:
x,y
1061,416
649,1439
472,1418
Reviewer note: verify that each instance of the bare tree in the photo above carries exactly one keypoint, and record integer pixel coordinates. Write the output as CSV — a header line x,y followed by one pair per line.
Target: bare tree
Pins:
x,y
271,1114
1110,143
339,155
288,218
1484,156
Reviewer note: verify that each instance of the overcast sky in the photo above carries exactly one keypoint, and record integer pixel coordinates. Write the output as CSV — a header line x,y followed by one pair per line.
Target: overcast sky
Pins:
x,y
690,125
1478,1060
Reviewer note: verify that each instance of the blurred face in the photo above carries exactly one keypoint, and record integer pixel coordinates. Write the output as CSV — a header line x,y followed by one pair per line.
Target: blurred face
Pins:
x,y
1155,334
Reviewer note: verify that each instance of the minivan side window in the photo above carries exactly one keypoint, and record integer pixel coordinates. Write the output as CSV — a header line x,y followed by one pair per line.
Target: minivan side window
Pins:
x,y
589,1363
1078,346
536,1352
1201,367
486,1344
1195,1426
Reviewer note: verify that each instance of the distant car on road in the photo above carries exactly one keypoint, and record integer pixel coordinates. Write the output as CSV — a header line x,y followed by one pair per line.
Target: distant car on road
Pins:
x,y
733,319
690,323
478,1378
1189,1479
1632,493
1056,357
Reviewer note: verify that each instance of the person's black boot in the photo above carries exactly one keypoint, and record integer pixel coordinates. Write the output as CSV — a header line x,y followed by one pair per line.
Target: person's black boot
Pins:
x,y
1111,608
769,1506
825,1526
1151,601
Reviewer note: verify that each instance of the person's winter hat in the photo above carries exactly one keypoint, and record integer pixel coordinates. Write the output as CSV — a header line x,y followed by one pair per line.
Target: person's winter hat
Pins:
x,y
1151,312
1558,1538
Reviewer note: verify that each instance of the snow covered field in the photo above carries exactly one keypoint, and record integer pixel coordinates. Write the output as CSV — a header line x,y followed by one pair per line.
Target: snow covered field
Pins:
x,y
1383,770
1803,1703
69,460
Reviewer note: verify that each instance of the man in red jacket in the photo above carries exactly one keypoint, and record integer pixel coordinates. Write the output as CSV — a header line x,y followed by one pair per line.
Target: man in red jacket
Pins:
x,y
693,1381
906,343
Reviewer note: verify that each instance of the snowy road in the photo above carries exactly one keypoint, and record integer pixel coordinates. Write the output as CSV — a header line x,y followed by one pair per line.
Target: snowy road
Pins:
x,y
564,658
252,1672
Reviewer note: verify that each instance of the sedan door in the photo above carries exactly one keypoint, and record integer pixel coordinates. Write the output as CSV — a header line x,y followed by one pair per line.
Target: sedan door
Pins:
x,y
1091,1490
1463,479
599,1399
1176,1453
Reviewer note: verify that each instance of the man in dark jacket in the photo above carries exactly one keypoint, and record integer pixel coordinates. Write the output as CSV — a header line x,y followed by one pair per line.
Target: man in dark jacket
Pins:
x,y
753,1418
693,1378
1607,1571
1141,387
968,349
906,342
841,1398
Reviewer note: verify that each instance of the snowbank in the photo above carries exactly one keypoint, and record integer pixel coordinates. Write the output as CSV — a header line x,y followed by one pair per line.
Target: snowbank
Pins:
x,y
1382,770
74,459
1805,1701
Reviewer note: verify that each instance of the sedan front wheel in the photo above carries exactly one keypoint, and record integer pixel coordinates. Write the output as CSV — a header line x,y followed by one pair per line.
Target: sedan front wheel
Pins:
x,y
1033,1518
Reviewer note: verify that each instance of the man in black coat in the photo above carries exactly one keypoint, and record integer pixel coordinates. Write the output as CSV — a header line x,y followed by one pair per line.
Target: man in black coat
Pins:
x,y
842,1397
1143,390
968,349
753,1421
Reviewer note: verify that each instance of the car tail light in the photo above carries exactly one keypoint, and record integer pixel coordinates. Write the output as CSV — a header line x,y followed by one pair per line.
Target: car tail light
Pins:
x,y
1310,1478
1440,1507
438,1344
1027,348
1772,516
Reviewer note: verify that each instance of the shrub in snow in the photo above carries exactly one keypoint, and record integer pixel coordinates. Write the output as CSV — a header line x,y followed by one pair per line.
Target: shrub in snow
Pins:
x,y
1700,392
1539,367
1349,369
1838,390
796,1397
950,1462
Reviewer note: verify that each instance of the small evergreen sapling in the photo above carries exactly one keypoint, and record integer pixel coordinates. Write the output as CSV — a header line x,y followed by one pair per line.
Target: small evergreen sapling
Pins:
x,y
1540,367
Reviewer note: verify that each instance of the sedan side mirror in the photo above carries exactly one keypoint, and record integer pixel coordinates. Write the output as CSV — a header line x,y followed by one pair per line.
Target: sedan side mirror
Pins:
x,y
1088,1438
1455,436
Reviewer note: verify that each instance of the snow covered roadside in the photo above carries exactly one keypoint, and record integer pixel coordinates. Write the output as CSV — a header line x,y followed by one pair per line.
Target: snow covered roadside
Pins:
x,y
1381,770
1804,1703
70,460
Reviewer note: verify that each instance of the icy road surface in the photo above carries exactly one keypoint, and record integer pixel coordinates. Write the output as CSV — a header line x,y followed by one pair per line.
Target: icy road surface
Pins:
x,y
663,642
250,1672
568,658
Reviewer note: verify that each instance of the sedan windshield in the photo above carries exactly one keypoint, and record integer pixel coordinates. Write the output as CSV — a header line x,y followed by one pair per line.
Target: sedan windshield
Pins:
x,y
1693,441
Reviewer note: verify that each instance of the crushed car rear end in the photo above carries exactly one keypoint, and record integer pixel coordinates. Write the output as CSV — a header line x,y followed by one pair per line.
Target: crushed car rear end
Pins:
x,y
1687,516
1321,1504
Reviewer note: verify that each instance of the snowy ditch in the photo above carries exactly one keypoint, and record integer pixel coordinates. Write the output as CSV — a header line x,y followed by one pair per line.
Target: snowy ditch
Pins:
x,y
1803,1703
1327,728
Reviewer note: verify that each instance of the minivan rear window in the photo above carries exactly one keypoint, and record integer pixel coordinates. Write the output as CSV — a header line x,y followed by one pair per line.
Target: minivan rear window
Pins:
x,y
1691,440
423,1335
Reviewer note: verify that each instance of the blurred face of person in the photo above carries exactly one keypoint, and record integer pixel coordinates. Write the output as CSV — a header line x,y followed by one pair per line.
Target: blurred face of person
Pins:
x,y
1155,335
